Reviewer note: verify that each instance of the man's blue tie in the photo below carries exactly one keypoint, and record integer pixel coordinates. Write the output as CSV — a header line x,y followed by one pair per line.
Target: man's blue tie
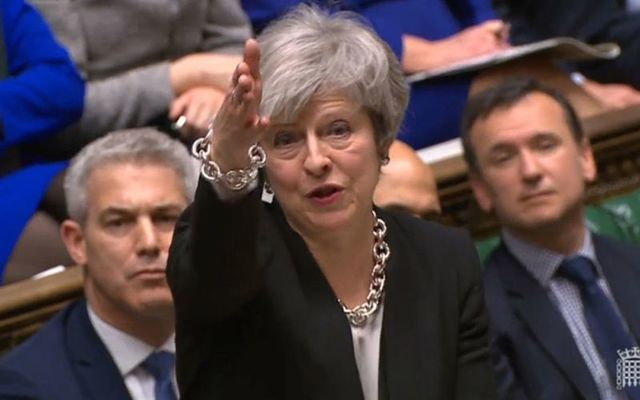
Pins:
x,y
160,364
606,326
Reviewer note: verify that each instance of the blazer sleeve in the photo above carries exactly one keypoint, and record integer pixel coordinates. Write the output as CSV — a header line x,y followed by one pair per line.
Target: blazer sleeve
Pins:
x,y
474,379
44,92
507,382
213,267
128,99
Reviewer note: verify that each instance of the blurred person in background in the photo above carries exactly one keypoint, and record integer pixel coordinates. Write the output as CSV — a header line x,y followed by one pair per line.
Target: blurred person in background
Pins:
x,y
406,183
147,62
613,82
424,35
40,94
563,301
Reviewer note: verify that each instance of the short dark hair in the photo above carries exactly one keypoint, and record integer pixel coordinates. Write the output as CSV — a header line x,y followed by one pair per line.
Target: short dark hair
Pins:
x,y
505,95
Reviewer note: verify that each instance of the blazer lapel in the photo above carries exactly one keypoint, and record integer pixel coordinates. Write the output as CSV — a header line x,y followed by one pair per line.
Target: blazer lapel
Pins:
x,y
532,304
407,337
97,373
623,277
327,328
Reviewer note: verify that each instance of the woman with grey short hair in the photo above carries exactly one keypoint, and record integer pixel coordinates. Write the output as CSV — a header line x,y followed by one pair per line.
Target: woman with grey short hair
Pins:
x,y
299,287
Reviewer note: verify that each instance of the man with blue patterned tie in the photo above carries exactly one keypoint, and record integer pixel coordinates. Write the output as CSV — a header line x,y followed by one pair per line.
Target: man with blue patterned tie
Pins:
x,y
125,192
563,300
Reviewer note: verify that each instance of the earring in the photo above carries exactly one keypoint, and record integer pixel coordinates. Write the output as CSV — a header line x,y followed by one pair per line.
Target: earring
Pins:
x,y
267,193
385,160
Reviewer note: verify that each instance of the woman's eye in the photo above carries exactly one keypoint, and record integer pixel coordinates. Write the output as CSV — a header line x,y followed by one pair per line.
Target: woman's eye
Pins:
x,y
283,139
339,128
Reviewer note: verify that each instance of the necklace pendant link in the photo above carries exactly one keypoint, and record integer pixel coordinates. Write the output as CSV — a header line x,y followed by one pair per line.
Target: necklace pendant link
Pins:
x,y
359,315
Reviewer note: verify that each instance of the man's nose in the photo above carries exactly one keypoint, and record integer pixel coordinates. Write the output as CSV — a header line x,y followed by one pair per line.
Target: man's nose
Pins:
x,y
148,240
530,166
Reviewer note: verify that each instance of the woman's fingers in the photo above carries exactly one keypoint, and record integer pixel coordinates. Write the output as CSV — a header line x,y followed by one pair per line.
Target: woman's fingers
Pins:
x,y
252,60
238,122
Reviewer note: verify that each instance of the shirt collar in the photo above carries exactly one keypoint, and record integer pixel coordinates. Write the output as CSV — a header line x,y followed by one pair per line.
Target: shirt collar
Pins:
x,y
543,263
127,351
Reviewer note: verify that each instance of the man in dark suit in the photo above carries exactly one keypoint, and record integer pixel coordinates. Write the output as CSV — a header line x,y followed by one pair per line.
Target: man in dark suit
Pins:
x,y
125,192
563,301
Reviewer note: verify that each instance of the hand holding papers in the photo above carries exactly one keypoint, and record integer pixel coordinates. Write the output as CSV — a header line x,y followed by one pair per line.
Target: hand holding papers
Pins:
x,y
560,48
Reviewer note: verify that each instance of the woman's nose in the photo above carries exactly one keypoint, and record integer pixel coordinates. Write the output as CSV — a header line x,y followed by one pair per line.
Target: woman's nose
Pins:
x,y
316,161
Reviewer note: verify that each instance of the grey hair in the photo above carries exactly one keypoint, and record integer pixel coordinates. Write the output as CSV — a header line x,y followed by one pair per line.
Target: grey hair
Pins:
x,y
138,146
311,52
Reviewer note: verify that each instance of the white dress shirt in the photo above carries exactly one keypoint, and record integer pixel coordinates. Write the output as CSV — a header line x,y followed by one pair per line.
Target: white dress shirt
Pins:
x,y
633,6
127,353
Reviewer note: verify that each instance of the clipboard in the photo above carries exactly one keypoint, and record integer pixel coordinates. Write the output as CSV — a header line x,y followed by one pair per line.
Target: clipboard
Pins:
x,y
559,48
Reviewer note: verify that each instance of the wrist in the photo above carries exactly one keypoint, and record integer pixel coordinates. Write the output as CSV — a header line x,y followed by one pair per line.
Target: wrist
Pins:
x,y
178,76
233,179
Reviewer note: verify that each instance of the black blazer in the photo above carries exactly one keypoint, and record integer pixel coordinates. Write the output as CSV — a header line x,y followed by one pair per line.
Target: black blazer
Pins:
x,y
65,360
256,318
534,353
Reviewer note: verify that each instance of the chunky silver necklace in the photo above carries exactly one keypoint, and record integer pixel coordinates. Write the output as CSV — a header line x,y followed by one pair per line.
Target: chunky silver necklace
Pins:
x,y
359,315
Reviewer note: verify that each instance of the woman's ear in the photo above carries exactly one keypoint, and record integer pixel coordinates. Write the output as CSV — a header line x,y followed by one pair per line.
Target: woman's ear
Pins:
x,y
385,151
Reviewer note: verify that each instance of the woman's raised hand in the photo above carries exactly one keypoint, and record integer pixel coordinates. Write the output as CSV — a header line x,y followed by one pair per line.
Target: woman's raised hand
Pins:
x,y
238,124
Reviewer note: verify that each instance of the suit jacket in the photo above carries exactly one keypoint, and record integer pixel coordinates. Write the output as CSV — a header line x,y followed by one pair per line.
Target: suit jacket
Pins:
x,y
66,360
256,317
534,353
14,386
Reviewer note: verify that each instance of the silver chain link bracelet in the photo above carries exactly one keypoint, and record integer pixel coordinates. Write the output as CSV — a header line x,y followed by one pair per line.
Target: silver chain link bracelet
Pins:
x,y
234,179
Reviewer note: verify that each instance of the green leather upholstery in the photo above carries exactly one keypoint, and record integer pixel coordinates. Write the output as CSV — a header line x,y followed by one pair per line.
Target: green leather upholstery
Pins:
x,y
618,217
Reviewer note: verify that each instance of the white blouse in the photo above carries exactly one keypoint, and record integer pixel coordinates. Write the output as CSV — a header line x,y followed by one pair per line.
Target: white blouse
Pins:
x,y
366,348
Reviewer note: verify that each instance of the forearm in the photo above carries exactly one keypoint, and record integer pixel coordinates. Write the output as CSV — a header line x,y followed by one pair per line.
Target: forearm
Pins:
x,y
202,69
127,100
420,54
213,266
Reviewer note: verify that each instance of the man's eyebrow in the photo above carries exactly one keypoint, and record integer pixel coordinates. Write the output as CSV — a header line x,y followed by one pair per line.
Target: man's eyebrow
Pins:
x,y
500,146
116,210
170,207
